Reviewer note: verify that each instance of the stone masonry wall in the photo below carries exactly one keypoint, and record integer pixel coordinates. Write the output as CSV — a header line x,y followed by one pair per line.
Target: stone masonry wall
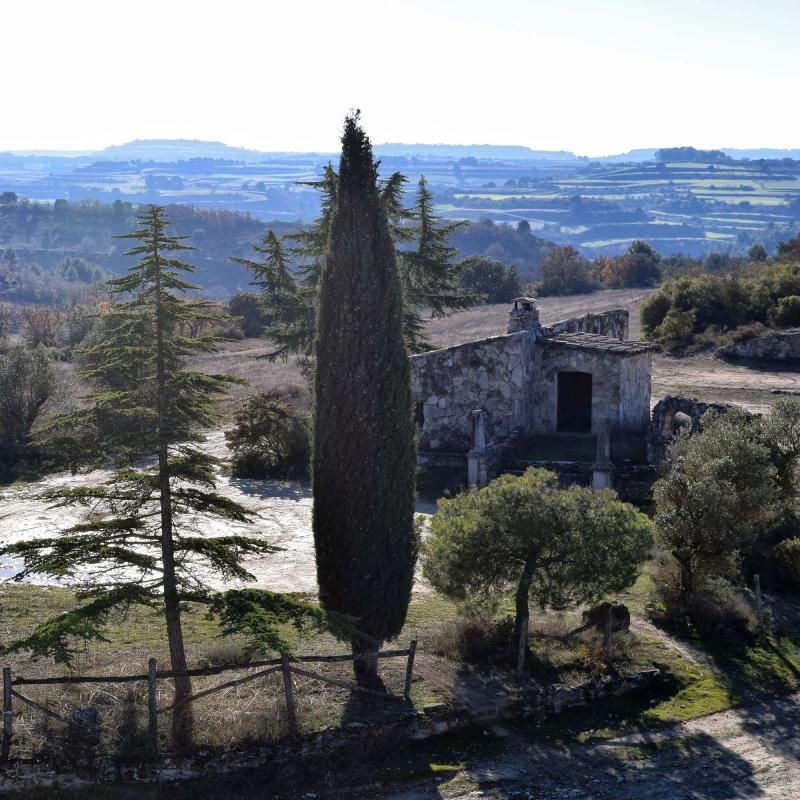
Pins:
x,y
634,394
771,346
609,323
492,374
552,359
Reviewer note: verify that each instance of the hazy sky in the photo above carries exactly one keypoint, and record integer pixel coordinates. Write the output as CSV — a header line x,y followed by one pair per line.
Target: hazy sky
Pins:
x,y
593,76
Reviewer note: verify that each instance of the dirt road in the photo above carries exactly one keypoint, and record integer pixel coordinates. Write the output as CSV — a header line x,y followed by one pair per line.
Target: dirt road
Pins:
x,y
742,753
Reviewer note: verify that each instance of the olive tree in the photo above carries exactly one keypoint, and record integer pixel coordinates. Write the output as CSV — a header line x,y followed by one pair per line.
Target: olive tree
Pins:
x,y
721,492
560,548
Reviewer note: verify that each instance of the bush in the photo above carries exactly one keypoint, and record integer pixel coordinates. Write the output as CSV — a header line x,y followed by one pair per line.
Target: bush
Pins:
x,y
788,312
653,311
472,640
786,559
717,610
270,439
721,613
498,282
28,379
249,309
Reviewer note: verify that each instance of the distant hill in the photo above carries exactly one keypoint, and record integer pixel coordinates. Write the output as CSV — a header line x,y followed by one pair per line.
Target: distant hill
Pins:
x,y
762,152
171,150
483,151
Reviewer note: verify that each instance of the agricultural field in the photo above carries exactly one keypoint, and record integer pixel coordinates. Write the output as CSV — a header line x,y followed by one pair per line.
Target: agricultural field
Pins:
x,y
678,207
601,206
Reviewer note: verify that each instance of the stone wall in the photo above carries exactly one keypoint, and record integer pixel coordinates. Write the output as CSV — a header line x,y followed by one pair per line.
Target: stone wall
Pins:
x,y
491,374
608,323
772,346
663,420
620,387
634,393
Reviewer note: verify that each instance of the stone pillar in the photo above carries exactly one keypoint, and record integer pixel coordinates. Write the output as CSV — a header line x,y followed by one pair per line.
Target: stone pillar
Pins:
x,y
477,472
603,469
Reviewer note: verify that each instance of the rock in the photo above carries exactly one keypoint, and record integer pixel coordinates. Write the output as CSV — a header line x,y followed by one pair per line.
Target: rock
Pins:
x,y
620,616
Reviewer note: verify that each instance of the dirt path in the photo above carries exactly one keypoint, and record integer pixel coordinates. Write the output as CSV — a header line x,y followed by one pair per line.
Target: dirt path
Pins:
x,y
691,654
742,753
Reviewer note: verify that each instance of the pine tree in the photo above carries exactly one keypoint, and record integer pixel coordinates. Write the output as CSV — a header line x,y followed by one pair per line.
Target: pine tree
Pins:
x,y
138,543
364,456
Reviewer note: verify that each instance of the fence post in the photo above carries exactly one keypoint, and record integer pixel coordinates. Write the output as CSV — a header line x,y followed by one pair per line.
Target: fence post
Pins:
x,y
152,708
759,599
287,687
7,715
412,651
607,631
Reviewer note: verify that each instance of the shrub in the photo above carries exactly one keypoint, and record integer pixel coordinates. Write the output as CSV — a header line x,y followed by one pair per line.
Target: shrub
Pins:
x,y
498,282
471,640
786,559
653,310
788,313
717,610
270,439
249,309
28,380
564,271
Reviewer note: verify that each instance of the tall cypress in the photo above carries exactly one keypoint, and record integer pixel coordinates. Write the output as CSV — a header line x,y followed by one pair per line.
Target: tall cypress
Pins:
x,y
364,455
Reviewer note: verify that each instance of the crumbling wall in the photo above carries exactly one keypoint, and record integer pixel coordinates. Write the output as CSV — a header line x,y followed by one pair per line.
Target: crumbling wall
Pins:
x,y
772,346
491,374
608,323
663,418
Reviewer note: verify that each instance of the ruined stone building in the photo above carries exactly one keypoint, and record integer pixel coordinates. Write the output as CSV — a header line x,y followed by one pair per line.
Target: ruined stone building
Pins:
x,y
527,395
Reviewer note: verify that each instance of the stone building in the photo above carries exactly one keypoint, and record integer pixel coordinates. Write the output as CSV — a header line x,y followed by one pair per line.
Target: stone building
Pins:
x,y
485,401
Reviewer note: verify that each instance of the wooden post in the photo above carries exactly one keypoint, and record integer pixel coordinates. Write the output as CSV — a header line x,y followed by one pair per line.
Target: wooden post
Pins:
x,y
8,718
412,651
291,713
607,632
152,708
759,598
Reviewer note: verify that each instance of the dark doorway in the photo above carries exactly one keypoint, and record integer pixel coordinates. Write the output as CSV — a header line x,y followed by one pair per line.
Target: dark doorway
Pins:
x,y
574,402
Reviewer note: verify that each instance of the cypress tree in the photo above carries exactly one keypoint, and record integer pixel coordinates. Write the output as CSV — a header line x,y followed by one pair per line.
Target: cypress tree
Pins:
x,y
364,456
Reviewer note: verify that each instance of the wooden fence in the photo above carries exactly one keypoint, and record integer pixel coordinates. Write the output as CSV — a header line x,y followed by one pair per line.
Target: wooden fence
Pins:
x,y
286,664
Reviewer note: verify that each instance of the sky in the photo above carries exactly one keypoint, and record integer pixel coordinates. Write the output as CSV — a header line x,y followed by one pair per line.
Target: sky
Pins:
x,y
593,76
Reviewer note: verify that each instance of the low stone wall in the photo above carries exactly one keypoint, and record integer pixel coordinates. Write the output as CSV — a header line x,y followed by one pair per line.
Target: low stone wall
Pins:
x,y
663,417
608,323
772,346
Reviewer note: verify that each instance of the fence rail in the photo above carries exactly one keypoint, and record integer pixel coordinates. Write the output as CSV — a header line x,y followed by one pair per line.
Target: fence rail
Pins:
x,y
285,664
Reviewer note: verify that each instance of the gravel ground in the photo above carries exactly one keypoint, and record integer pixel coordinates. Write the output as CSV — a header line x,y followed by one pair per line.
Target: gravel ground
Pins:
x,y
740,753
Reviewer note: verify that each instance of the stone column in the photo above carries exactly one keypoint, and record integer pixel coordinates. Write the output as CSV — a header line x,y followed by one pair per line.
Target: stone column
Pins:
x,y
477,472
603,469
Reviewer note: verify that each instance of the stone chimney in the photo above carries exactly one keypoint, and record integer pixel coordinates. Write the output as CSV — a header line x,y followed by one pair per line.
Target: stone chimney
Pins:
x,y
524,316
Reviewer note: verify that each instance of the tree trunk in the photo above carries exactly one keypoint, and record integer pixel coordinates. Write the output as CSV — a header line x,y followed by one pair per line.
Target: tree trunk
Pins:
x,y
687,576
522,620
365,669
182,714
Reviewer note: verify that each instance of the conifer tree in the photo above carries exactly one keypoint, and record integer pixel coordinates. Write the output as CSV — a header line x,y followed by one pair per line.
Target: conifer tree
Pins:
x,y
364,456
138,543
429,274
